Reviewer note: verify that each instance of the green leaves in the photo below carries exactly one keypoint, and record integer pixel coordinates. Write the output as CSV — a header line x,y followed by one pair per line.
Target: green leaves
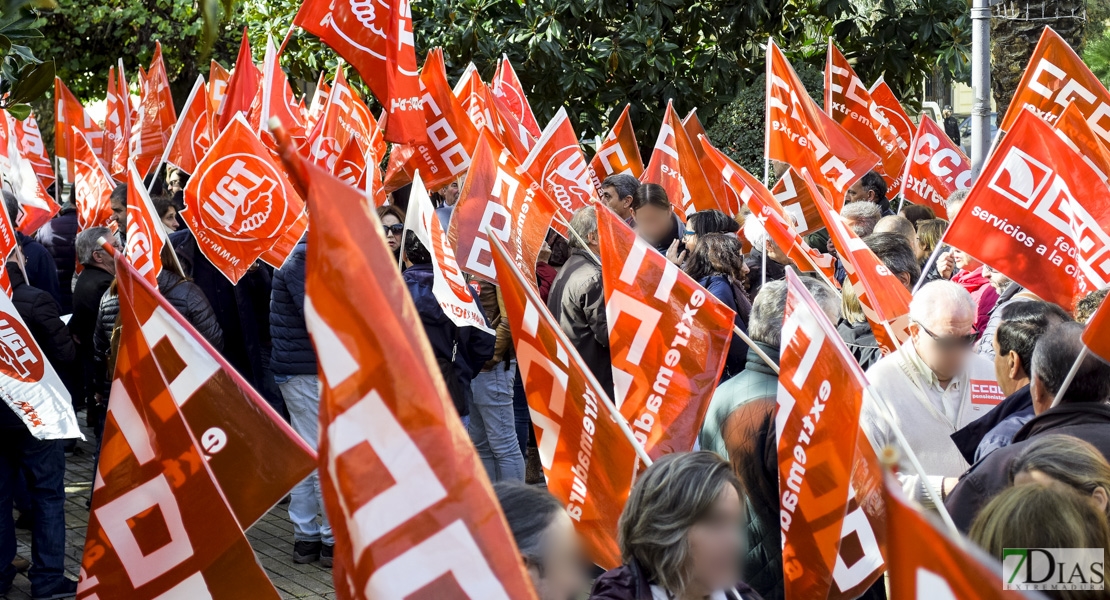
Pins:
x,y
33,81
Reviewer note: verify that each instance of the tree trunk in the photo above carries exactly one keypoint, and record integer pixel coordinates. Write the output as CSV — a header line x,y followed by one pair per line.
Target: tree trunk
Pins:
x,y
1013,41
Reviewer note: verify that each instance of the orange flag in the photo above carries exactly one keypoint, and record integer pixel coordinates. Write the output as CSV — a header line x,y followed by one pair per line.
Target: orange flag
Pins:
x,y
452,134
501,198
29,140
473,96
409,502
828,494
70,115
674,165
345,117
806,138
36,207
668,338
241,88
557,164
1097,334
1077,134
885,301
239,203
117,124
892,109
1040,215
319,103
619,153
371,181
145,235
8,243
936,168
588,463
91,184
792,193
218,78
155,118
192,136
169,500
506,86
277,97
351,163
515,136
849,103
1055,77
724,194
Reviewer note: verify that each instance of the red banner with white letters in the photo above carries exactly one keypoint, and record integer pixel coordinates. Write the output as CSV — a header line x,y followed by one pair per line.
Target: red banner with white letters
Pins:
x,y
937,168
92,186
726,197
154,118
793,194
345,117
556,162
69,114
24,176
1077,134
674,165
892,109
412,510
117,124
668,338
619,153
507,88
145,235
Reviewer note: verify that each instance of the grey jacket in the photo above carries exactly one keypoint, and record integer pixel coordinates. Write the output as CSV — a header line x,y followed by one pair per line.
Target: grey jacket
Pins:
x,y
577,301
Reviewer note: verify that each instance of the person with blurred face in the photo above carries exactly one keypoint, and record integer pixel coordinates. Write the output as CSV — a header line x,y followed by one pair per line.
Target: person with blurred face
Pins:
x,y
1009,292
618,192
393,220
656,222
680,534
545,536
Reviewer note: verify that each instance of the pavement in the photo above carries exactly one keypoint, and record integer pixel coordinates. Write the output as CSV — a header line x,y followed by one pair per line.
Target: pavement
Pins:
x,y
271,537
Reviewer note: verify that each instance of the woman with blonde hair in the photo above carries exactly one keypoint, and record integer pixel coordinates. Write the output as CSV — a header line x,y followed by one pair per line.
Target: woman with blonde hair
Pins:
x,y
680,534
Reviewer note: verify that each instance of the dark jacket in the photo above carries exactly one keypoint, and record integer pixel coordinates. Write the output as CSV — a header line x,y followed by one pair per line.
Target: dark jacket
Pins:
x,y
969,438
1089,422
41,270
952,129
467,348
629,582
754,260
678,231
861,342
722,288
577,301
242,310
58,236
40,313
90,287
293,351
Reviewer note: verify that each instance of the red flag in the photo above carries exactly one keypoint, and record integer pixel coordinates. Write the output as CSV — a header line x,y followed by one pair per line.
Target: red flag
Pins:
x,y
936,168
155,119
145,235
8,243
192,136
724,194
117,124
557,164
668,338
1077,134
410,505
452,136
239,203
345,117
674,165
515,136
36,207
1026,220
69,115
884,299
806,138
829,493
792,193
588,463
319,103
499,196
92,186
892,109
1055,77
371,181
241,88
619,153
1097,334
164,522
472,92
506,86
350,165
29,139
277,98
218,78
849,103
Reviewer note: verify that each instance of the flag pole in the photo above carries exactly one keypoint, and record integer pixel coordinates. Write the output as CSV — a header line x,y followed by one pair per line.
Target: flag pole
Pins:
x,y
928,266
763,268
1083,353
751,344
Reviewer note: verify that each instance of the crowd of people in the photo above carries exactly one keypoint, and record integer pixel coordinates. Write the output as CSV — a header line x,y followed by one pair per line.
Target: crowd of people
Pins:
x,y
703,524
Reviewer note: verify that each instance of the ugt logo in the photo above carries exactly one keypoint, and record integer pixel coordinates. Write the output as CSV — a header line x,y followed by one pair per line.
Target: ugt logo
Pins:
x,y
18,357
245,199
1053,569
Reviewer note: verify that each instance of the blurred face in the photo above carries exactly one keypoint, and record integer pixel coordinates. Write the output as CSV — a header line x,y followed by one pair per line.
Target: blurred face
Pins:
x,y
716,546
614,201
104,260
690,241
561,576
654,224
953,210
945,342
1099,497
964,261
169,220
919,249
451,194
998,280
393,229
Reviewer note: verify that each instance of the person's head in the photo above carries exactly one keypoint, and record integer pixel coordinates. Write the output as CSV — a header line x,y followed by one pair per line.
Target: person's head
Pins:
x,y
708,221
998,281
11,204
870,188
850,308
1040,516
929,233
716,254
176,181
1088,304
917,212
618,192
167,212
119,205
584,221
942,316
1064,459
902,226
1053,358
546,539
861,217
415,252
450,193
955,202
682,524
393,220
769,306
965,261
91,254
757,236
895,252
654,216
1021,325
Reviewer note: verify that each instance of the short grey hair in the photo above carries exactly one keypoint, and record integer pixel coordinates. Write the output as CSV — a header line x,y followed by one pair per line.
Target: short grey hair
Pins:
x,y
584,223
955,201
940,297
88,241
769,306
1053,357
625,184
864,215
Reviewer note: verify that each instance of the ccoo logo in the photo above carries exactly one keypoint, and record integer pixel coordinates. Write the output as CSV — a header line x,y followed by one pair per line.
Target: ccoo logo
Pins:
x,y
243,198
1022,178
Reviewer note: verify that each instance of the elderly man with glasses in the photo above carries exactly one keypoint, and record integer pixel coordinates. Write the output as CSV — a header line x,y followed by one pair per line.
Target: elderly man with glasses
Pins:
x,y
935,385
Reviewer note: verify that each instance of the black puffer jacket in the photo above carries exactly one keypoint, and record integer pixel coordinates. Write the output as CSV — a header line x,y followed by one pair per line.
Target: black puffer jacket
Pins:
x,y
293,351
58,236
40,313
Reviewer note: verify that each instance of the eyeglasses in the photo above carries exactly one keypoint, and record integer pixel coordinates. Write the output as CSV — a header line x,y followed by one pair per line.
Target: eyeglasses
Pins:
x,y
394,229
950,342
